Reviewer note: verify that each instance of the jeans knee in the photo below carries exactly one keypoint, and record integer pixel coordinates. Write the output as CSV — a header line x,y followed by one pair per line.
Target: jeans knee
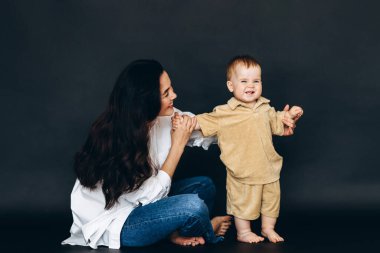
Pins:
x,y
195,205
209,184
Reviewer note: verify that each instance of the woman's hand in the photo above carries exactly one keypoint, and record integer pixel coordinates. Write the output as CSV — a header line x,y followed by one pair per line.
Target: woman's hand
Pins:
x,y
184,126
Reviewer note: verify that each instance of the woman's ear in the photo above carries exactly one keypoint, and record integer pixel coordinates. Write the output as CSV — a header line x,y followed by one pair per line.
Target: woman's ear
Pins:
x,y
230,86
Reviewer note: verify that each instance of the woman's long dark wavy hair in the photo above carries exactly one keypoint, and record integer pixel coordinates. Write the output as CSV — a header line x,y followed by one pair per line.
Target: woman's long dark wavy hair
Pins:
x,y
116,152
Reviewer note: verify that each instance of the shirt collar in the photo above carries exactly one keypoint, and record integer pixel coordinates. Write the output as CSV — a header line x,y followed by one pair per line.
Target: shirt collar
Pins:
x,y
233,103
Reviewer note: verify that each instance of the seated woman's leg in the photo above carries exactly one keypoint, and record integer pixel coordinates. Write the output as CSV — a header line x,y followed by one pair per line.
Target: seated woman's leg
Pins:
x,y
203,186
185,213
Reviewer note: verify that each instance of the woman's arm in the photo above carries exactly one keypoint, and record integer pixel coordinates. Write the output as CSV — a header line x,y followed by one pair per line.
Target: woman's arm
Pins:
x,y
180,136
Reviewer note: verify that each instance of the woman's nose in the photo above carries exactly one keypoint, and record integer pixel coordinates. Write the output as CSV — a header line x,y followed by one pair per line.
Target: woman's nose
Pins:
x,y
173,96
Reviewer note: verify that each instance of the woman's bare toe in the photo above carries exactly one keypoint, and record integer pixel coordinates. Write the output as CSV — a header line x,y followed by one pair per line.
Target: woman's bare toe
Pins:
x,y
221,224
186,241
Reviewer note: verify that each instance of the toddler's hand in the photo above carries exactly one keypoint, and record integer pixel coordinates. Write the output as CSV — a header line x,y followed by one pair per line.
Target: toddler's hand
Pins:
x,y
290,118
295,112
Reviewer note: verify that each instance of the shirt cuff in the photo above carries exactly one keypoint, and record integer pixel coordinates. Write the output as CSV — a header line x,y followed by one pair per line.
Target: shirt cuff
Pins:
x,y
164,179
281,130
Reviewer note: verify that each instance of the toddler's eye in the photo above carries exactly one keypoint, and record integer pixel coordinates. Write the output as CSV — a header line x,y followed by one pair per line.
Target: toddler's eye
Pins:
x,y
243,81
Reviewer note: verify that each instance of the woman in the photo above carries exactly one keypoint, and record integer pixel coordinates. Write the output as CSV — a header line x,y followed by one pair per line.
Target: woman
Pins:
x,y
124,170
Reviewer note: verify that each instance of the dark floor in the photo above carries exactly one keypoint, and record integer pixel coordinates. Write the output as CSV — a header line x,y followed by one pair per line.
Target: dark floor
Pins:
x,y
304,232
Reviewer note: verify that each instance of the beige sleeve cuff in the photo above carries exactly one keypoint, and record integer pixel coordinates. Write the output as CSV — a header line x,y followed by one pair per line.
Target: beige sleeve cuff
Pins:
x,y
277,124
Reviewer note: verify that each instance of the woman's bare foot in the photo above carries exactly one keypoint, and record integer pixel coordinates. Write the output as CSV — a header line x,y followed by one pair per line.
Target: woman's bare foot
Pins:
x,y
186,241
249,237
272,235
221,224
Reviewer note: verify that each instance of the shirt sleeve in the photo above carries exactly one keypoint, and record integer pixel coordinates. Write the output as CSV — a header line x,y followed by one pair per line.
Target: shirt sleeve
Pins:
x,y
197,139
276,123
154,188
209,123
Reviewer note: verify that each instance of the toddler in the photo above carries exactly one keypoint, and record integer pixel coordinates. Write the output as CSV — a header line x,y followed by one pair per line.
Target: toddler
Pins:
x,y
244,127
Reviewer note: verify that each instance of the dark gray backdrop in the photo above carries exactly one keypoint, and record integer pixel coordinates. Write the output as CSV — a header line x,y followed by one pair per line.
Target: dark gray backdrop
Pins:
x,y
59,61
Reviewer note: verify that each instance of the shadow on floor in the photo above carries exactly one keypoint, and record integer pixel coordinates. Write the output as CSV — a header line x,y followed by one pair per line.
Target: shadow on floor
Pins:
x,y
304,232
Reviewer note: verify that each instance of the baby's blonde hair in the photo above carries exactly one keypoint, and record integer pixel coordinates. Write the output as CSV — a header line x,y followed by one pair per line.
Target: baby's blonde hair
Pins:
x,y
247,60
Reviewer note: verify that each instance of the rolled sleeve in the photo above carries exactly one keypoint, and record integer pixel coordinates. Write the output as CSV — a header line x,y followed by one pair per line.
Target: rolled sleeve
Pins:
x,y
198,140
164,179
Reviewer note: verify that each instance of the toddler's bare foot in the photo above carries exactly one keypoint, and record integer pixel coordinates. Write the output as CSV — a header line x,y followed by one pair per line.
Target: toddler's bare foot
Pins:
x,y
249,237
272,235
220,224
186,241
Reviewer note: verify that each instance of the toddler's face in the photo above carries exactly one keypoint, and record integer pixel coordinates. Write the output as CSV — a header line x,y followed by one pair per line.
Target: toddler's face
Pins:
x,y
245,83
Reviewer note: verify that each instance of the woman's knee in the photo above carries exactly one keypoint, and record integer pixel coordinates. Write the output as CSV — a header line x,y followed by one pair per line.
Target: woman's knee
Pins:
x,y
205,180
193,205
208,185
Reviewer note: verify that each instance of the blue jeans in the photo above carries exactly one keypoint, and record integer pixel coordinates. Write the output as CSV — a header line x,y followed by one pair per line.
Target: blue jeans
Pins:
x,y
186,210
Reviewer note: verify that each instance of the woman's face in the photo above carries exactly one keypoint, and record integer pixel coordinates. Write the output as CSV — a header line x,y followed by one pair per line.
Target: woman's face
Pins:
x,y
167,95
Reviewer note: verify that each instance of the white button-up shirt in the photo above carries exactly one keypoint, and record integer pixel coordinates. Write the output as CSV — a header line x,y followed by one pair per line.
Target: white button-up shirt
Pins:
x,y
93,225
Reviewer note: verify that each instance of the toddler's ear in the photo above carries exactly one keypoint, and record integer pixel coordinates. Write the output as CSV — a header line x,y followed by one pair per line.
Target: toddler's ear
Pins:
x,y
230,86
